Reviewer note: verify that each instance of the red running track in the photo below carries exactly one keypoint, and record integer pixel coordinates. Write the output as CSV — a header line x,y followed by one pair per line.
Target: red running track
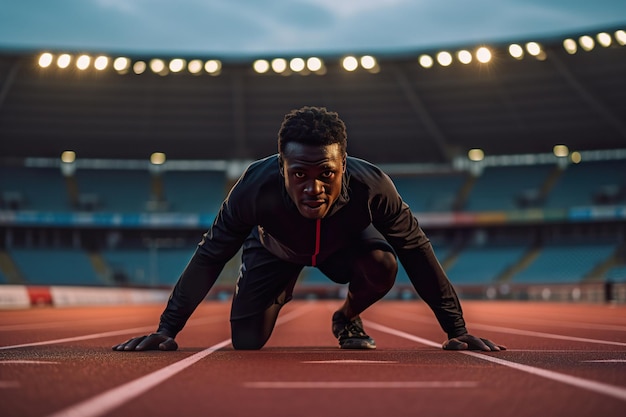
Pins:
x,y
563,360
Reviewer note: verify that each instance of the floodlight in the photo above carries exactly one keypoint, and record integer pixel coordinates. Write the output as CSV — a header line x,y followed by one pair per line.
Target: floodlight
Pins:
x,y
63,61
350,63
45,60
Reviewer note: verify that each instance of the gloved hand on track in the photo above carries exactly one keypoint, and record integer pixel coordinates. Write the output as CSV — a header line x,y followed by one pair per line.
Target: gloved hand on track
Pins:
x,y
469,342
154,341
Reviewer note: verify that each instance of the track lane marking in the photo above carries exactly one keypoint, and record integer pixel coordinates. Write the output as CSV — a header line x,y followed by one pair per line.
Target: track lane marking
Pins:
x,y
358,384
104,334
109,400
511,330
587,384
545,335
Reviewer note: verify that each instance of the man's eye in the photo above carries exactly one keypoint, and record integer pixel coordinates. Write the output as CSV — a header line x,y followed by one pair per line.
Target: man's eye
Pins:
x,y
327,174
298,174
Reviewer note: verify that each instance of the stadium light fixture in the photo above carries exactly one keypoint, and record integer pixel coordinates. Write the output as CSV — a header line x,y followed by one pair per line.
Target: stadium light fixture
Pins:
x,y
139,67
213,67
45,60
279,65
157,158
369,63
297,64
586,42
157,66
101,63
68,157
177,65
464,56
444,58
533,48
516,51
350,63
314,64
261,66
483,55
604,39
570,46
83,61
194,66
476,154
121,64
426,61
576,157
620,37
560,151
64,60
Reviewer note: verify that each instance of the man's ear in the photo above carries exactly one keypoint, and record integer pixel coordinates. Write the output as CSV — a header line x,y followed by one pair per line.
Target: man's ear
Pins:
x,y
344,163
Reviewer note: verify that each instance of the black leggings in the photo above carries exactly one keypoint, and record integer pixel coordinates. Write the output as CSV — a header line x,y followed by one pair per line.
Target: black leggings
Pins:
x,y
369,272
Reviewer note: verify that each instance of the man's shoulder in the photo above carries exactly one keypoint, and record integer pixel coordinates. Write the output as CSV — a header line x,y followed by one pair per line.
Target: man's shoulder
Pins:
x,y
362,168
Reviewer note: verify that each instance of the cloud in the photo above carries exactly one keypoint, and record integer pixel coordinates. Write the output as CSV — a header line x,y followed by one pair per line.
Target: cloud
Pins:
x,y
244,27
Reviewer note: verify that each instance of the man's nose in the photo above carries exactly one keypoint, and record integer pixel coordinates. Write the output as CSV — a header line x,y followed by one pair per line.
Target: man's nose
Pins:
x,y
314,187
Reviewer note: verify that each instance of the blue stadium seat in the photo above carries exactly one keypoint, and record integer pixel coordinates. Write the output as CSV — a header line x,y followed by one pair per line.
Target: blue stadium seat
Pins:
x,y
564,263
53,266
429,192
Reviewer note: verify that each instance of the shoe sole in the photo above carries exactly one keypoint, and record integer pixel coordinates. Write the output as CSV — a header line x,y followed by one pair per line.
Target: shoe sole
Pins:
x,y
358,344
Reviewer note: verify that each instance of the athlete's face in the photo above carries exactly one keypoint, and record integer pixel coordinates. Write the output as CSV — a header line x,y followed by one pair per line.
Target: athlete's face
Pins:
x,y
313,177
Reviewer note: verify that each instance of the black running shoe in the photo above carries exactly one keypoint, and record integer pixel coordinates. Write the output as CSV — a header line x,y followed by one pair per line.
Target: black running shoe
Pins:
x,y
350,333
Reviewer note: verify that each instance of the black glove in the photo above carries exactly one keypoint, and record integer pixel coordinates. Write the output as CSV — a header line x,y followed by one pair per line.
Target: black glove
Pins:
x,y
154,341
469,342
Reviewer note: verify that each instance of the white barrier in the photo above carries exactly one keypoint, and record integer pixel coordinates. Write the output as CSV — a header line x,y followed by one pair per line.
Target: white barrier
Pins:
x,y
21,296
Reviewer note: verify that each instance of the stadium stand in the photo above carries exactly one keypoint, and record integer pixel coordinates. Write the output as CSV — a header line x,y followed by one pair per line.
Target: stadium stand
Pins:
x,y
194,191
483,264
508,188
430,192
55,266
114,190
145,267
590,183
564,262
33,189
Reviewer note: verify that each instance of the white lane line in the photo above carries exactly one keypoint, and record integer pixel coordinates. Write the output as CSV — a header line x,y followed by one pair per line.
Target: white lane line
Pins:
x,y
350,361
109,400
608,361
105,334
589,385
20,362
359,384
573,325
510,330
85,337
545,335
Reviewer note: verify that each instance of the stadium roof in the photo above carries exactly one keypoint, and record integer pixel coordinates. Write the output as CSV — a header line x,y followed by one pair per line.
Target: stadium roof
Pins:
x,y
398,111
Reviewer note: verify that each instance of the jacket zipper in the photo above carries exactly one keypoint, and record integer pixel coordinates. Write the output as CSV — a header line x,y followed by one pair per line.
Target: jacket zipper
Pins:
x,y
318,227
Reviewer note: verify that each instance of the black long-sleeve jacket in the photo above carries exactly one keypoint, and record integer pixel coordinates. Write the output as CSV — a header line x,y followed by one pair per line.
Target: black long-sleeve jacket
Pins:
x,y
259,204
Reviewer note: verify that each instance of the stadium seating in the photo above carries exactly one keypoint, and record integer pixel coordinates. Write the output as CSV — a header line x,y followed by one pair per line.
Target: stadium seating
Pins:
x,y
194,191
483,264
564,262
40,189
505,188
140,266
126,191
583,185
430,192
55,266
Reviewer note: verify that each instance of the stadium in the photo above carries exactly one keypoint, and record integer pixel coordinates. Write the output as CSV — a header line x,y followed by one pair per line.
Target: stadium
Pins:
x,y
511,156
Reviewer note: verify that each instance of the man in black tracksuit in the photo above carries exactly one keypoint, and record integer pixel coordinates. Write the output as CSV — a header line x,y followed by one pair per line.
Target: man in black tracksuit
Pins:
x,y
311,205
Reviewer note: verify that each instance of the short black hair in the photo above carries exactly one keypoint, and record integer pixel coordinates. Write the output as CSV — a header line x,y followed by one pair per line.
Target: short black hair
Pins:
x,y
315,126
